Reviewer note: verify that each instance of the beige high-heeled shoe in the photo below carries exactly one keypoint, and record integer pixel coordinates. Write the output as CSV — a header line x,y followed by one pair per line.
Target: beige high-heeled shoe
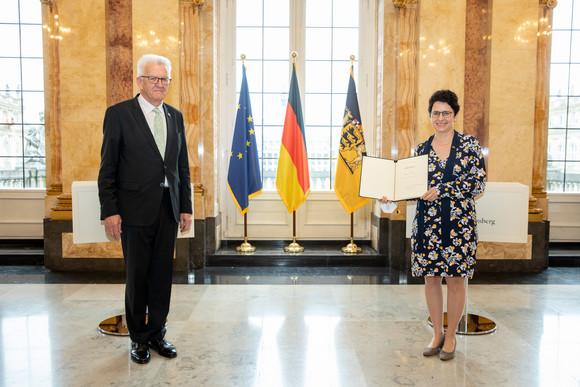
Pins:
x,y
428,351
448,355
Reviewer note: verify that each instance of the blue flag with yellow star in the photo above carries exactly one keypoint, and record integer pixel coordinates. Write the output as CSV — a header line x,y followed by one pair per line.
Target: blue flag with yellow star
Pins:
x,y
244,179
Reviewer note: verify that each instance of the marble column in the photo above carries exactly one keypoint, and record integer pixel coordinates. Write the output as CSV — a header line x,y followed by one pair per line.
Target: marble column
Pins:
x,y
397,95
191,26
477,70
198,97
119,50
539,202
52,105
407,79
380,118
197,88
406,84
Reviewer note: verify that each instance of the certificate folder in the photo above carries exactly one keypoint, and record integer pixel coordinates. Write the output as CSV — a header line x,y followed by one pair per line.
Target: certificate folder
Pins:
x,y
402,179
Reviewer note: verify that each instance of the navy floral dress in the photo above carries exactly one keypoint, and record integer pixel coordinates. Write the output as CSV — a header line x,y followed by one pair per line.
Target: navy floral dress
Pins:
x,y
444,241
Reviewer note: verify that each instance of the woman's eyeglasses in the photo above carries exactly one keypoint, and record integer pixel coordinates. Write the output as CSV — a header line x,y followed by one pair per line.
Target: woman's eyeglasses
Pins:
x,y
435,114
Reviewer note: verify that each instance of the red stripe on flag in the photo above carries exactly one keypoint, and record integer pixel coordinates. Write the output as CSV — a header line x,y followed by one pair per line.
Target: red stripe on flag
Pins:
x,y
293,141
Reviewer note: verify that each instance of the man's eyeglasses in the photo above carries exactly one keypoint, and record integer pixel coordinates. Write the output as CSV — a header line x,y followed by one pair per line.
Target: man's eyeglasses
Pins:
x,y
444,114
154,80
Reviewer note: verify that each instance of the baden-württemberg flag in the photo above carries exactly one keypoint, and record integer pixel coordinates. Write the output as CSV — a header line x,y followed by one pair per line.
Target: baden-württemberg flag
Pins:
x,y
292,176
351,150
244,180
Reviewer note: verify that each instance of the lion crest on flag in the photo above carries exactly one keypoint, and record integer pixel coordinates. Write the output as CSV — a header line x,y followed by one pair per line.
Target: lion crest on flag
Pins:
x,y
352,142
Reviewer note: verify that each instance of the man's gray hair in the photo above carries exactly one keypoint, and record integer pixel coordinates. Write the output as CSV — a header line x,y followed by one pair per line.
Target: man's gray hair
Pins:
x,y
150,58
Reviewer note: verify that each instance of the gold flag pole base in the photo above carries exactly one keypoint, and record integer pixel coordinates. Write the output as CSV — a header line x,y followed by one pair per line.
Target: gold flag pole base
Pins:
x,y
245,248
351,248
294,247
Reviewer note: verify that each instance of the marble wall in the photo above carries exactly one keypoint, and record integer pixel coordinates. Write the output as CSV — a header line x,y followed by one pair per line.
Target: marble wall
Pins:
x,y
83,88
83,74
441,59
487,52
421,47
512,91
441,62
156,30
99,40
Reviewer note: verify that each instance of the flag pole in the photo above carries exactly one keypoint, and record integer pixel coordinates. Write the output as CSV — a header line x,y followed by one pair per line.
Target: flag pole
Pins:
x,y
245,247
351,248
294,247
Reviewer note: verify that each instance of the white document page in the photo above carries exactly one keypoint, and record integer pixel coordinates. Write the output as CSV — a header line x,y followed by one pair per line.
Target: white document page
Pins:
x,y
377,178
397,180
411,177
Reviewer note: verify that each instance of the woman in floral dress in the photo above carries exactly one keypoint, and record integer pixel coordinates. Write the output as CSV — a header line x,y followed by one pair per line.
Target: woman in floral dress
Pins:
x,y
444,237
444,231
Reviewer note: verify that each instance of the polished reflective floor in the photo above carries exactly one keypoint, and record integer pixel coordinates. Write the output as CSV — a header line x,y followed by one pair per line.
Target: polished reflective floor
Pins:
x,y
289,327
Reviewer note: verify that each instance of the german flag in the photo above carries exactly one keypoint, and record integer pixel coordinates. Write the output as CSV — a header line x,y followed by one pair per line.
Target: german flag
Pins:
x,y
292,176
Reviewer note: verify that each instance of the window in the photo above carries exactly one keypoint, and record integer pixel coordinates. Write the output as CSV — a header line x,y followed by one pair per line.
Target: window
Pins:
x,y
563,173
22,157
267,32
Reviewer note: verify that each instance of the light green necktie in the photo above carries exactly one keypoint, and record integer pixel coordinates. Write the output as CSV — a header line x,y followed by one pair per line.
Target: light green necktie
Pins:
x,y
158,132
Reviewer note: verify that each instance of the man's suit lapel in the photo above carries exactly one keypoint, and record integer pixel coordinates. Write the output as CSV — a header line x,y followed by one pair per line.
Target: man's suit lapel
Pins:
x,y
144,126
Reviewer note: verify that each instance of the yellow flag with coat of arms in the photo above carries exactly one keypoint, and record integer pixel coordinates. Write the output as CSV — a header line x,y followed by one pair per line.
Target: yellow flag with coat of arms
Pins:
x,y
351,151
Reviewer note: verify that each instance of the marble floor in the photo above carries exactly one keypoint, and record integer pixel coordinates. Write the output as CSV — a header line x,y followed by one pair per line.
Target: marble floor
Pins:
x,y
281,327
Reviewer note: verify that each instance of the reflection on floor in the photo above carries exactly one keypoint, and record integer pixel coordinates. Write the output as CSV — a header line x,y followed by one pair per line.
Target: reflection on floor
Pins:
x,y
283,275
289,327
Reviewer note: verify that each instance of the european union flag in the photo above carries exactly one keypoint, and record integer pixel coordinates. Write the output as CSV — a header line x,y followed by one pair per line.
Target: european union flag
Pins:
x,y
244,179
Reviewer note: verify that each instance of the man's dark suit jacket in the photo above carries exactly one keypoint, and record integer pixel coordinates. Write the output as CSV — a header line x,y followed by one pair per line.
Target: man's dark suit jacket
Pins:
x,y
132,172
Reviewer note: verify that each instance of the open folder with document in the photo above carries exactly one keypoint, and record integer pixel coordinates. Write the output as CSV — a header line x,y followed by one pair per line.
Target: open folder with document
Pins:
x,y
402,179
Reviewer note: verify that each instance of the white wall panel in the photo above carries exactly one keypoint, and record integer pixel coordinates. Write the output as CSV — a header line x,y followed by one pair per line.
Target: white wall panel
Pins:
x,y
21,214
320,217
564,216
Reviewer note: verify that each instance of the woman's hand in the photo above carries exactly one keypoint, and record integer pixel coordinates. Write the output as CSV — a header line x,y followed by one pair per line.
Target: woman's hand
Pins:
x,y
384,199
430,195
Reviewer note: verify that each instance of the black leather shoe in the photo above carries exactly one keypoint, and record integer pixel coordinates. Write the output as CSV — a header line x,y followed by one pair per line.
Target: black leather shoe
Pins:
x,y
140,353
163,348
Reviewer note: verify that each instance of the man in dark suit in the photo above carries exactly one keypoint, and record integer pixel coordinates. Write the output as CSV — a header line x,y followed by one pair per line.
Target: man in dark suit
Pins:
x,y
145,193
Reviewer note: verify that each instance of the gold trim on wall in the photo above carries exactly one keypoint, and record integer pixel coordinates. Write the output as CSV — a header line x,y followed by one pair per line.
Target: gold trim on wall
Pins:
x,y
549,3
403,3
63,208
198,3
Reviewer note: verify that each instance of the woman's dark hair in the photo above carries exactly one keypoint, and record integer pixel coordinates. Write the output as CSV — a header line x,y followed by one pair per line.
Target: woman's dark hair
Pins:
x,y
446,96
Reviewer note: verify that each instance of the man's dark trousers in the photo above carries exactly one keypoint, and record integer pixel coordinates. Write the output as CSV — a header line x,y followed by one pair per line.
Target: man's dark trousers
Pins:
x,y
148,252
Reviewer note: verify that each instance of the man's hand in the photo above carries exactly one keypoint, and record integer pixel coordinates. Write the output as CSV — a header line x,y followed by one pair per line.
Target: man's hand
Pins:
x,y
113,227
184,222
